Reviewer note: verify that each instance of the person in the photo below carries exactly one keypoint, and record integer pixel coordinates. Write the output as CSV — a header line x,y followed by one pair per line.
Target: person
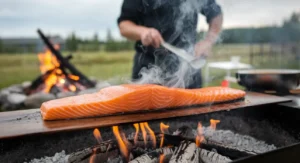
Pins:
x,y
151,22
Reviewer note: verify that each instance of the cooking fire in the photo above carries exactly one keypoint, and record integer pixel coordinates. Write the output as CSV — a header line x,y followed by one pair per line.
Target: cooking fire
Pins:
x,y
204,144
58,74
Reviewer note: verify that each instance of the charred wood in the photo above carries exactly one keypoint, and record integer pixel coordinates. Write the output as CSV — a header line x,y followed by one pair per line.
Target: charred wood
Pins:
x,y
187,152
222,149
65,63
206,156
102,150
154,156
40,79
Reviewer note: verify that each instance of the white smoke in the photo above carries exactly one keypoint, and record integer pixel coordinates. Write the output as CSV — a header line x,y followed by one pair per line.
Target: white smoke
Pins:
x,y
183,76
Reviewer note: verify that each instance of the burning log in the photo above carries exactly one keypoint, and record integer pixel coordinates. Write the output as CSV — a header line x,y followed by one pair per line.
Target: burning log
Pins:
x,y
222,149
65,63
57,70
104,149
154,156
206,156
185,153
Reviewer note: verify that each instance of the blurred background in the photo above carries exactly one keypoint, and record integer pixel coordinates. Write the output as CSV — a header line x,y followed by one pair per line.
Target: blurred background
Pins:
x,y
263,33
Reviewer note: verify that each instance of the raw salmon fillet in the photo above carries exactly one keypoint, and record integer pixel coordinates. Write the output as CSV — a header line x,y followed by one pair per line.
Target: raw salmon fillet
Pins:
x,y
133,97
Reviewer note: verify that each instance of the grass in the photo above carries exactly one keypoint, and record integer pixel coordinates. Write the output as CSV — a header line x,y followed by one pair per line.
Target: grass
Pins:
x,y
17,68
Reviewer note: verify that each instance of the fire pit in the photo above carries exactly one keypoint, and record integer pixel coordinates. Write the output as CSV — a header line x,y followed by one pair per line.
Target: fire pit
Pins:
x,y
262,133
59,78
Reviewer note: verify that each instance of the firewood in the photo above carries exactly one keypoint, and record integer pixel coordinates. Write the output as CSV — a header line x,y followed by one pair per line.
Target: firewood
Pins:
x,y
105,148
187,152
153,157
232,152
206,156
65,62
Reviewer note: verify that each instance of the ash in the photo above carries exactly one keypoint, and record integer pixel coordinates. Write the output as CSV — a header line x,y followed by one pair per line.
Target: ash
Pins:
x,y
57,158
236,140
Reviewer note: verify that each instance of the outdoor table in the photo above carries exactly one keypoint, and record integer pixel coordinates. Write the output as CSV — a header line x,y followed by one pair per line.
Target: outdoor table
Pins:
x,y
227,66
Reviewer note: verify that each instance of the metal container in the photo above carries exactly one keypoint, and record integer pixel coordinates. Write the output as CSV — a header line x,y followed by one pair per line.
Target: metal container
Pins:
x,y
281,81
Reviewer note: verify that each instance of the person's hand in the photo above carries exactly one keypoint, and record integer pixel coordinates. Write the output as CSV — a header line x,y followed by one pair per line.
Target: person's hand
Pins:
x,y
203,48
151,36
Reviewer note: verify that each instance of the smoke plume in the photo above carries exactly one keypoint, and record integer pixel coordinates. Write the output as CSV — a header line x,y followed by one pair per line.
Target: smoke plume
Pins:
x,y
180,73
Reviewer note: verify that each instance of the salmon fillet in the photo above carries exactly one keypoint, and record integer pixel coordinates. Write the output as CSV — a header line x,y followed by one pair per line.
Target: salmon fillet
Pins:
x,y
133,97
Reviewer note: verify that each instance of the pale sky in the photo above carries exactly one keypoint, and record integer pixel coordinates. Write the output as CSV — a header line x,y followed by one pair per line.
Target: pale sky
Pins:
x,y
21,18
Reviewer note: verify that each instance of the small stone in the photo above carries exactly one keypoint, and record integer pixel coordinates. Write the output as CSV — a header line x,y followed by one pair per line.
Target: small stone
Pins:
x,y
17,88
3,96
36,100
15,98
26,84
65,94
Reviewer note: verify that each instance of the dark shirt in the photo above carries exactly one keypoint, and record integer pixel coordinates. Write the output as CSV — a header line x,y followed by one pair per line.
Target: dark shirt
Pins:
x,y
176,20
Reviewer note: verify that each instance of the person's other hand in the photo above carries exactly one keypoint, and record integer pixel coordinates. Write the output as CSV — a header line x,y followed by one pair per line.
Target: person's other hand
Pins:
x,y
203,48
151,36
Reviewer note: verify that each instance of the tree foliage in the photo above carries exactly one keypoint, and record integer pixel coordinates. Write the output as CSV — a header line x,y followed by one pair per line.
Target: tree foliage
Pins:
x,y
72,42
1,46
288,32
113,45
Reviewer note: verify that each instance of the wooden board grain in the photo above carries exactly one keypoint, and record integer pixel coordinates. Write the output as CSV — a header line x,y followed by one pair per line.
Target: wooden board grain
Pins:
x,y
27,122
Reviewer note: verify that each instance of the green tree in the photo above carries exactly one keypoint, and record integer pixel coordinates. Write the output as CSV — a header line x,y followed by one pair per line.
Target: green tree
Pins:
x,y
1,46
109,36
110,45
72,42
291,27
95,42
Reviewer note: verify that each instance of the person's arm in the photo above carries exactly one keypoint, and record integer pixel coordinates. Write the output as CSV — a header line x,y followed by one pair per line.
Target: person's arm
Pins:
x,y
204,46
148,36
214,17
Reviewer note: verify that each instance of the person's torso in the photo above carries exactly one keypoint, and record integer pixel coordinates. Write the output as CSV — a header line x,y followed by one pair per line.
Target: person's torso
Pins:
x,y
176,20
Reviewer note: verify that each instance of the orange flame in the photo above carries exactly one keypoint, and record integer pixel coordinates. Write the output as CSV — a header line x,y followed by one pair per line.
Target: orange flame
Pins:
x,y
121,143
47,61
72,88
213,123
161,158
136,126
97,135
74,77
199,137
144,133
50,64
93,157
163,129
152,135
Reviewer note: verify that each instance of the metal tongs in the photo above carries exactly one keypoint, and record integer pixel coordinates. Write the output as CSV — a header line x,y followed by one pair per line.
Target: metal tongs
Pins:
x,y
196,63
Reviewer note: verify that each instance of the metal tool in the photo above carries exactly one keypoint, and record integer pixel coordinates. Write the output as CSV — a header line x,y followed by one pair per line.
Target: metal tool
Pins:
x,y
196,63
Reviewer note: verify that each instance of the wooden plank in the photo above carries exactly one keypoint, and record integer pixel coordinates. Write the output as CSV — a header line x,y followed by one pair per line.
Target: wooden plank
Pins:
x,y
26,122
